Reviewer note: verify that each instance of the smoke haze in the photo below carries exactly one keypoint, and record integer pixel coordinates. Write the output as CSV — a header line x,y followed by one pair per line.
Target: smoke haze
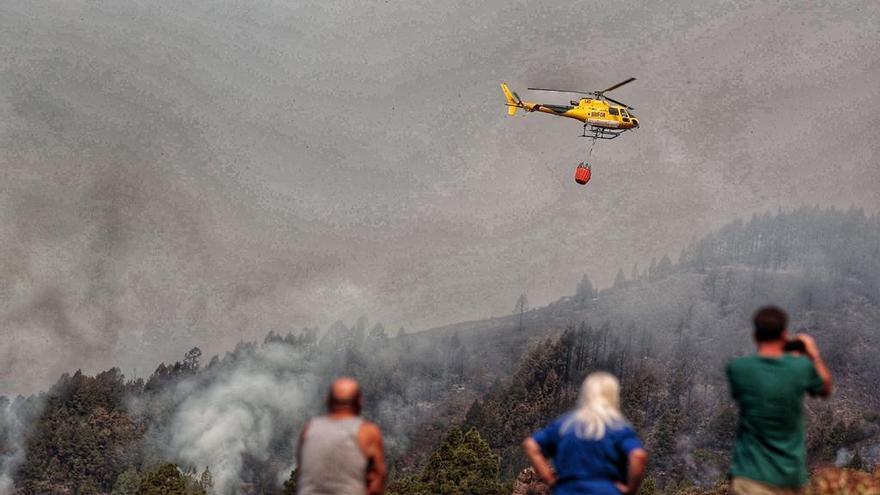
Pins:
x,y
195,174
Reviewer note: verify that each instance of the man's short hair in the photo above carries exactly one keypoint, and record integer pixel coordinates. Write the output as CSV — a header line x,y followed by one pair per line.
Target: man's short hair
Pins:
x,y
770,322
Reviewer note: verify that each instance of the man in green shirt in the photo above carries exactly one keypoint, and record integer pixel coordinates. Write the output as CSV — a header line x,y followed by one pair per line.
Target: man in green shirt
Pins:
x,y
769,457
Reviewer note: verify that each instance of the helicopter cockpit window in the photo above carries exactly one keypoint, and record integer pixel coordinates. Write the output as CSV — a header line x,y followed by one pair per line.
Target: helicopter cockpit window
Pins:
x,y
623,113
612,111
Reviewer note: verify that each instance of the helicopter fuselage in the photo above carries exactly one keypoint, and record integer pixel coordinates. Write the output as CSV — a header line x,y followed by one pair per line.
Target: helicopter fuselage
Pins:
x,y
594,112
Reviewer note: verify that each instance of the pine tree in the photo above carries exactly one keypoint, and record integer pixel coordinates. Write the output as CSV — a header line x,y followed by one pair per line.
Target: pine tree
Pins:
x,y
462,463
191,359
666,431
377,332
664,267
522,305
164,479
856,462
127,483
289,487
455,358
585,291
649,486
206,480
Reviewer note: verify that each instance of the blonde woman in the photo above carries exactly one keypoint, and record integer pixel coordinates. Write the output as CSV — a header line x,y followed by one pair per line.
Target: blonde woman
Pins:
x,y
594,449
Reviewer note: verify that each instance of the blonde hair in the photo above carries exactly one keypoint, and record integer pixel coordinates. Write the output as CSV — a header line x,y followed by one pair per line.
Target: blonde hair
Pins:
x,y
598,407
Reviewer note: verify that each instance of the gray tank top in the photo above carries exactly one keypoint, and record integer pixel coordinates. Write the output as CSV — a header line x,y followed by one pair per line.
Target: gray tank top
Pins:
x,y
332,461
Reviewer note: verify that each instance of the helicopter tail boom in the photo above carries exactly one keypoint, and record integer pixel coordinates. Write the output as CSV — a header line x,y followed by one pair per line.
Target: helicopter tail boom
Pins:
x,y
513,101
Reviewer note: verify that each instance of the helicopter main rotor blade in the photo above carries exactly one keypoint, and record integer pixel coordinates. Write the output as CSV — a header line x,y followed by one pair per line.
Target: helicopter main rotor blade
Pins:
x,y
561,91
618,85
612,100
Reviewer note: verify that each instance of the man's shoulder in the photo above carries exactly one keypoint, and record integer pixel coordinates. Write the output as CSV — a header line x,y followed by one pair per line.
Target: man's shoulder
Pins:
x,y
741,362
750,367
370,437
370,429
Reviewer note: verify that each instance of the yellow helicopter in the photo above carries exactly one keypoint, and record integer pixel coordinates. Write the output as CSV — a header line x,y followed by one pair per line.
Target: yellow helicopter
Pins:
x,y
601,119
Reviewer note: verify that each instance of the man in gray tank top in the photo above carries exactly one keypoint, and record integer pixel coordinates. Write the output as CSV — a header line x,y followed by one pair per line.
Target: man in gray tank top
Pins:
x,y
340,453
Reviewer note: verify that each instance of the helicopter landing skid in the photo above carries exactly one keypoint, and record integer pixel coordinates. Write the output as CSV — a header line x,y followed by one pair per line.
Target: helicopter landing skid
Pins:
x,y
595,132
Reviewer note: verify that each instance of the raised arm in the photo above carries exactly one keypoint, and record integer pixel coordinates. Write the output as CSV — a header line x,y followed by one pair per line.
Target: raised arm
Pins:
x,y
812,351
370,438
539,462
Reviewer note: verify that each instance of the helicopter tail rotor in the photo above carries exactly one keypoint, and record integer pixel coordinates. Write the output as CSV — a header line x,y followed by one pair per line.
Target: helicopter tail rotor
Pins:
x,y
513,100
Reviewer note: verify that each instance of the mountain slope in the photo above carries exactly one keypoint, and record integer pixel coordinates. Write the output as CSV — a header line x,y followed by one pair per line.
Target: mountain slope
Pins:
x,y
666,331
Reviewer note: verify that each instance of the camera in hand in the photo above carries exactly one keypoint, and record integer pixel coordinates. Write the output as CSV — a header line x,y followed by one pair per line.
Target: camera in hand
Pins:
x,y
796,345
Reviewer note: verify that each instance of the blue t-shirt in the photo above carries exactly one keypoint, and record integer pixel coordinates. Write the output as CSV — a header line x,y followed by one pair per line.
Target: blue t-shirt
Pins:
x,y
587,466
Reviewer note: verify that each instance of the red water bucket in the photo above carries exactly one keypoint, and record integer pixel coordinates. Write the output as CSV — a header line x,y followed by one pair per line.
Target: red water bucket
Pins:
x,y
582,174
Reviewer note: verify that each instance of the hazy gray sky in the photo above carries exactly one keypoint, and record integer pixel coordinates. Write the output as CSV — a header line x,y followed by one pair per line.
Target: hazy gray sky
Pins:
x,y
179,173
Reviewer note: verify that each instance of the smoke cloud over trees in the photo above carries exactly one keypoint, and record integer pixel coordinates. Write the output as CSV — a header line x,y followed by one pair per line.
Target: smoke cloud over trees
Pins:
x,y
666,330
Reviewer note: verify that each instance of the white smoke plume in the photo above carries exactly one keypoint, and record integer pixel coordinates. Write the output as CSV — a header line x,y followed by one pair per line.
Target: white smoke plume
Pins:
x,y
12,453
238,411
240,415
15,419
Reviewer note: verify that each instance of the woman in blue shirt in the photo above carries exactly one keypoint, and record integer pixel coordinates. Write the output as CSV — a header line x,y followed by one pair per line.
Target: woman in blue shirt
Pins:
x,y
594,449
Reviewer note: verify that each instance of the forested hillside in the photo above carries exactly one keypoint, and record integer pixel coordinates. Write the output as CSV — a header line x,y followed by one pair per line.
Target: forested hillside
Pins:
x,y
474,390
667,330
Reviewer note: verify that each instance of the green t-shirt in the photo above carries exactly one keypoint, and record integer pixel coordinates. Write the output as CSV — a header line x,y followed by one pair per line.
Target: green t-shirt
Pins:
x,y
770,434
